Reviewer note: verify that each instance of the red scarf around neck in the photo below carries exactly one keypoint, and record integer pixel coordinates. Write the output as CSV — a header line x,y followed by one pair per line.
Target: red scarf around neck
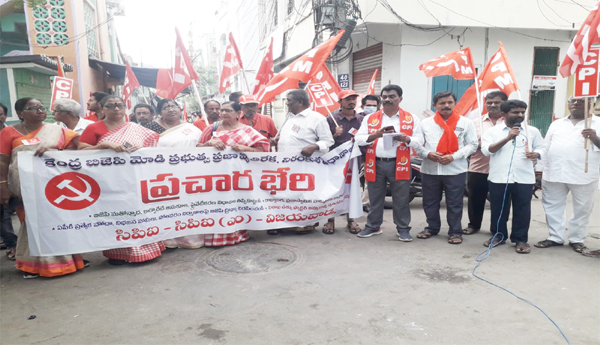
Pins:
x,y
449,141
402,153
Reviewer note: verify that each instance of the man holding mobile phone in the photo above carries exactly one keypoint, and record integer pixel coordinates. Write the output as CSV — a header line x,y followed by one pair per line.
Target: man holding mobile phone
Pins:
x,y
389,166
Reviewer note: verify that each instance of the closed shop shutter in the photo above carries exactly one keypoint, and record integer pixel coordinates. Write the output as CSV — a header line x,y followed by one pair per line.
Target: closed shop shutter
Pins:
x,y
365,62
541,109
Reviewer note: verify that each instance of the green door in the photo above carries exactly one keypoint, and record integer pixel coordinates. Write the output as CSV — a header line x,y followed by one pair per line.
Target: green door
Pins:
x,y
447,83
541,103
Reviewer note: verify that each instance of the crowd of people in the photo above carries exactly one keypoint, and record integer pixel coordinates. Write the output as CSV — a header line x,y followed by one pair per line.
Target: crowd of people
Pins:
x,y
495,155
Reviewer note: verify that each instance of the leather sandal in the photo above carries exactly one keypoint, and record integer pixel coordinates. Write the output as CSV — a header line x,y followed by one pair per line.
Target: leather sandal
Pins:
x,y
425,234
329,228
353,227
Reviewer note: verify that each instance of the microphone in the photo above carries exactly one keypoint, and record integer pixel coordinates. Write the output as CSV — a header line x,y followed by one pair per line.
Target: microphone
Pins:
x,y
517,123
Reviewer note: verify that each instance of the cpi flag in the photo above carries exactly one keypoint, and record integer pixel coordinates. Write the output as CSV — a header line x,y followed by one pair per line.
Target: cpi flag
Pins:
x,y
323,90
129,84
496,76
231,65
458,64
580,47
302,69
371,90
265,72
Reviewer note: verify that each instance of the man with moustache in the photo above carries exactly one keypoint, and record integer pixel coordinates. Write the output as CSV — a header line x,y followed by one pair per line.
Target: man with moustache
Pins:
x,y
512,174
389,166
143,114
564,172
348,123
449,140
304,132
262,123
211,107
479,164
93,106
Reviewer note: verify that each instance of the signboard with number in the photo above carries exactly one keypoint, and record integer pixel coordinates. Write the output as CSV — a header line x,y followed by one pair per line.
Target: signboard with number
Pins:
x,y
344,81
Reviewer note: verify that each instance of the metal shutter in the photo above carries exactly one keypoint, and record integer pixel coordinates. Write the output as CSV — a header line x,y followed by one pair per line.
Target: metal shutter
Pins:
x,y
365,62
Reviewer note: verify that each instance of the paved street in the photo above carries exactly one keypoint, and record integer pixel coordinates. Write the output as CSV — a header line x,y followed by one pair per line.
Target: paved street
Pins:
x,y
317,289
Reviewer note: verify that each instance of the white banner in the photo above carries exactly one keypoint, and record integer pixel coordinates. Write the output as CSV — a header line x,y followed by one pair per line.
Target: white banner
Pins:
x,y
84,201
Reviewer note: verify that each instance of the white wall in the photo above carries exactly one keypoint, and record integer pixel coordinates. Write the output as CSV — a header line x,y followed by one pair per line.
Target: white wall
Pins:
x,y
530,14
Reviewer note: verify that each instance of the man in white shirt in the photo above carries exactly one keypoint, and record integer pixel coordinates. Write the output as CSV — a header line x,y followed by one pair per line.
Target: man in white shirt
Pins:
x,y
304,132
479,164
512,175
389,166
448,140
67,112
564,171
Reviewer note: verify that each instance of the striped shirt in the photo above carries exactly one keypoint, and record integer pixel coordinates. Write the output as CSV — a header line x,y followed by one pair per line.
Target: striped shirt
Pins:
x,y
432,133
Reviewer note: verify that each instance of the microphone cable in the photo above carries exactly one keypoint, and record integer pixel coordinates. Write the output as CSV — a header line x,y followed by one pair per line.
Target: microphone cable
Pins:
x,y
485,254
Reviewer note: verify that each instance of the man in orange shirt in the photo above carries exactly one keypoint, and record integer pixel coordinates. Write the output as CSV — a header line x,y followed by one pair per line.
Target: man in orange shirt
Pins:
x,y
252,118
211,107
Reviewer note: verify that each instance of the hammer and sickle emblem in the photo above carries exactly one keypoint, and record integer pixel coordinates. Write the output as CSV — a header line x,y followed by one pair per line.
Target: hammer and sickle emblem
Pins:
x,y
80,195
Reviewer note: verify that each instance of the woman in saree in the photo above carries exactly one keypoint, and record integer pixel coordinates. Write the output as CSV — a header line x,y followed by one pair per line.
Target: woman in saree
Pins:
x,y
178,133
114,133
241,138
32,134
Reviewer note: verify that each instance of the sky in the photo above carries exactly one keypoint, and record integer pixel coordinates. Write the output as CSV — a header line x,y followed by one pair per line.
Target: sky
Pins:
x,y
147,31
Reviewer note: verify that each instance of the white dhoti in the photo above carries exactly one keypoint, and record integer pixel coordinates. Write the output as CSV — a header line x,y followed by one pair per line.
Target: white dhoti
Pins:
x,y
554,200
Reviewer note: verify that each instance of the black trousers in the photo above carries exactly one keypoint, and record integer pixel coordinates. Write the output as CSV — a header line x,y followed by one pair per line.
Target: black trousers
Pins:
x,y
454,188
520,196
478,190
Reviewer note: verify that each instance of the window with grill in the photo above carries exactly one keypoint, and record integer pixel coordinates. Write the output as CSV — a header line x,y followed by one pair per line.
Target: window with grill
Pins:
x,y
91,29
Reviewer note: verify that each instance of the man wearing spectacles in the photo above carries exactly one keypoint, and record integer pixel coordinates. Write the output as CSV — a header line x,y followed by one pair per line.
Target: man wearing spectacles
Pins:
x,y
479,164
564,172
67,111
143,114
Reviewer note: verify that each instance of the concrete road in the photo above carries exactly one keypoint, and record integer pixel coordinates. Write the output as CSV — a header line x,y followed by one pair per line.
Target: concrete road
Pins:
x,y
317,289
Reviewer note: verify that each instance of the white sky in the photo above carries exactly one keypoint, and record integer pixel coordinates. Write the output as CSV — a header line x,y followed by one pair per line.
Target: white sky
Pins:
x,y
147,31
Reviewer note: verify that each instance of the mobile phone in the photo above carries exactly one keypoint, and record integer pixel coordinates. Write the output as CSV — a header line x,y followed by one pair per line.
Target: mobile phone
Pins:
x,y
127,145
389,128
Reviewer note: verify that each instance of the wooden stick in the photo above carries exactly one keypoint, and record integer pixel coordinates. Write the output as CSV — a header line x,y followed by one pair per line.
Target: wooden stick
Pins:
x,y
333,118
586,140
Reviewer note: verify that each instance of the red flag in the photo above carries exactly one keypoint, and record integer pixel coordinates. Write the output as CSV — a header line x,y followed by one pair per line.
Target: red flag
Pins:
x,y
164,82
265,72
458,64
302,69
323,90
235,48
184,114
371,90
129,84
180,48
496,76
579,49
231,65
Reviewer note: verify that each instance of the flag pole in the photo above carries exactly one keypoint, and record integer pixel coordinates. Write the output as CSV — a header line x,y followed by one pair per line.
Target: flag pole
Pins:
x,y
200,102
480,108
330,114
586,140
246,80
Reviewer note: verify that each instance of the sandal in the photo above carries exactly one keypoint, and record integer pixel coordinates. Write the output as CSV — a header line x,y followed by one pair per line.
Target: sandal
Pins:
x,y
11,254
353,227
3,246
547,244
522,248
425,234
497,242
592,253
329,228
272,232
86,263
578,247
30,275
455,239
469,231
